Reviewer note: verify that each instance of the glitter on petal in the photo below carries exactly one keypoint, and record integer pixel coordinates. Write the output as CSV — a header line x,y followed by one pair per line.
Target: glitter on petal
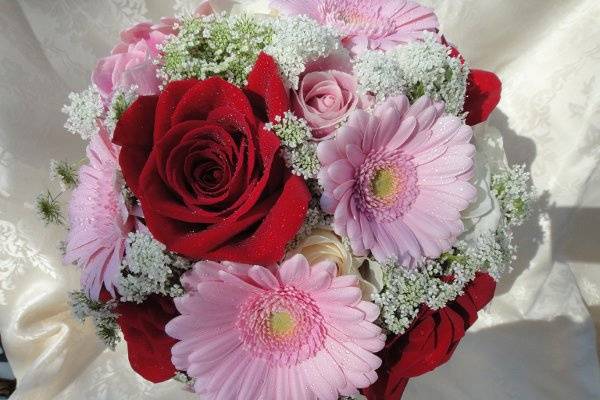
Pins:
x,y
396,180
290,332
98,218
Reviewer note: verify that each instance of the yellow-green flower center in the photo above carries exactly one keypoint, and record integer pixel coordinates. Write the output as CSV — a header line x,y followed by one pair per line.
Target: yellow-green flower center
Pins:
x,y
281,323
384,183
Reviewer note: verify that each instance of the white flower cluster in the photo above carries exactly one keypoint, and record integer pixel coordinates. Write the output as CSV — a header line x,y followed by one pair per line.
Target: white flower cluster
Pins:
x,y
303,160
429,69
121,101
219,44
416,69
406,290
148,269
102,315
83,112
297,41
513,190
292,130
379,74
299,153
493,253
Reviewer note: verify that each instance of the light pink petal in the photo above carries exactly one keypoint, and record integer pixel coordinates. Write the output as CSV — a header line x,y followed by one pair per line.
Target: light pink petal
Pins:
x,y
341,171
436,208
319,385
343,189
327,152
405,131
344,280
347,296
295,270
355,155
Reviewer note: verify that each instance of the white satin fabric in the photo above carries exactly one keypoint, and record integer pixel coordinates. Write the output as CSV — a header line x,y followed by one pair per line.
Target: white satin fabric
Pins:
x,y
535,341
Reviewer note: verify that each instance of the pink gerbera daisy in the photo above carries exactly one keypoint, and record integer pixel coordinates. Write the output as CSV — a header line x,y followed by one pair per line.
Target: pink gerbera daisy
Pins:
x,y
99,221
396,180
378,24
296,332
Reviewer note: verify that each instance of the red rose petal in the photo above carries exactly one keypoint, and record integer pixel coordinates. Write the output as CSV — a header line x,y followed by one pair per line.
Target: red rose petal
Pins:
x,y
267,244
266,87
483,95
207,95
134,133
481,290
168,100
148,346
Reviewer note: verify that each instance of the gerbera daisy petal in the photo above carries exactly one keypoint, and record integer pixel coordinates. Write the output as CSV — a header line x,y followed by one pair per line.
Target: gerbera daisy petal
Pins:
x,y
295,270
283,342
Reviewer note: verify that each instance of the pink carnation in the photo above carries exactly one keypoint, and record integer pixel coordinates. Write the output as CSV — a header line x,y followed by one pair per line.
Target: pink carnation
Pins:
x,y
98,219
293,332
131,62
378,24
397,180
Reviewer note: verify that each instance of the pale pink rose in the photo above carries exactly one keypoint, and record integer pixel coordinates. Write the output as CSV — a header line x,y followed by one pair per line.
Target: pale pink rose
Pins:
x,y
131,62
325,97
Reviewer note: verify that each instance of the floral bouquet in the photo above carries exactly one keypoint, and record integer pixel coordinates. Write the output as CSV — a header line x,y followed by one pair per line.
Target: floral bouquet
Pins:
x,y
287,206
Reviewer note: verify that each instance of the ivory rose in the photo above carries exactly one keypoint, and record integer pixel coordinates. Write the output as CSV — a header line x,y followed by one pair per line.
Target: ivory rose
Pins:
x,y
324,245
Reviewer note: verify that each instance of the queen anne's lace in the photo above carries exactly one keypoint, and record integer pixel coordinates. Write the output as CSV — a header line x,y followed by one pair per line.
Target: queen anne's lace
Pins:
x,y
84,110
148,269
429,69
216,45
415,69
297,41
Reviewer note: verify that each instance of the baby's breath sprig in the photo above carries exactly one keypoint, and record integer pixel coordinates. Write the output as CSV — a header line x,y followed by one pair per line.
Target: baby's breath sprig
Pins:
x,y
513,190
149,269
292,130
121,101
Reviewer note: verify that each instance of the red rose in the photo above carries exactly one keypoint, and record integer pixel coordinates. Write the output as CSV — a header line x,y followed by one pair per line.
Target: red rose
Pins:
x,y
430,341
210,178
148,346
